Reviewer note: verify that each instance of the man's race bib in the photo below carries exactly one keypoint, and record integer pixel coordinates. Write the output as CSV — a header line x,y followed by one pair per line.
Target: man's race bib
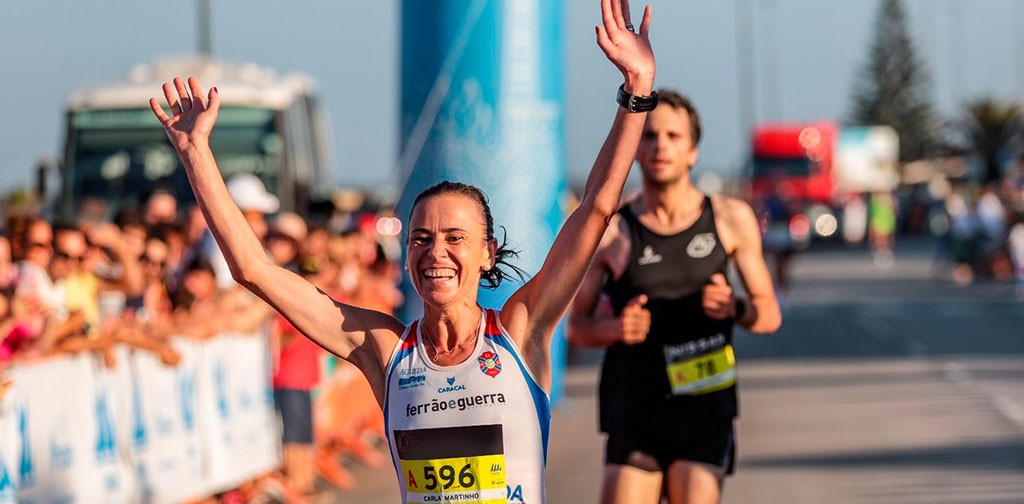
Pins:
x,y
701,366
453,464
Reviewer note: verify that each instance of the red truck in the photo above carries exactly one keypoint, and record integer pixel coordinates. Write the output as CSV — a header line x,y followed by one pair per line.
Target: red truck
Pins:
x,y
795,158
803,174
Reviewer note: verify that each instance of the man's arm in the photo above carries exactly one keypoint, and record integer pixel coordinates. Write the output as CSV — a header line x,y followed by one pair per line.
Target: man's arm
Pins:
x,y
760,313
590,323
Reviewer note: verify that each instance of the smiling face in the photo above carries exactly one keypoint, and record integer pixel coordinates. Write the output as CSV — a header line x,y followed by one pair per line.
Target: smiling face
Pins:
x,y
447,249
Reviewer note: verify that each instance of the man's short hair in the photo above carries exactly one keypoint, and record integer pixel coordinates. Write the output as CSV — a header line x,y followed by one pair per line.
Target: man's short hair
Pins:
x,y
678,101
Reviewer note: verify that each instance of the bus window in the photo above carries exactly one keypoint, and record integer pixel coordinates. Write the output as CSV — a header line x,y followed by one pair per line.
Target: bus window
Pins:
x,y
269,125
122,155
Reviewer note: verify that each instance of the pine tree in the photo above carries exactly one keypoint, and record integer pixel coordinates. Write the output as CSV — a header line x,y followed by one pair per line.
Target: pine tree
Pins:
x,y
893,86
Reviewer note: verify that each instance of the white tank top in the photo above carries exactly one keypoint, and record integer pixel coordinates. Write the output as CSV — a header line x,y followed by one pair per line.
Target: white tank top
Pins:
x,y
475,432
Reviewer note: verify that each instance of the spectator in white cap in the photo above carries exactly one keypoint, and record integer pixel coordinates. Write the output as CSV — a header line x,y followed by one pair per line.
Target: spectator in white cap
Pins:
x,y
256,203
284,241
253,200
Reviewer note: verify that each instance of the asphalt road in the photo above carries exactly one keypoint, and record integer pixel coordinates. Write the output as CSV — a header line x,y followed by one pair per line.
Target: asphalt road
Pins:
x,y
884,385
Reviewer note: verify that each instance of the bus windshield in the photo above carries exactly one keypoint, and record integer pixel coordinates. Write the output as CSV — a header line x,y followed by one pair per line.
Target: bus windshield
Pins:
x,y
121,155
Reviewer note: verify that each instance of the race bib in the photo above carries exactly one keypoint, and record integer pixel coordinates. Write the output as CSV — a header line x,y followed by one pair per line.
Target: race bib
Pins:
x,y
701,366
453,464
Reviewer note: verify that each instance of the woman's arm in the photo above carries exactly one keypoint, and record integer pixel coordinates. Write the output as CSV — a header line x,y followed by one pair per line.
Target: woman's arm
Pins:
x,y
531,314
364,337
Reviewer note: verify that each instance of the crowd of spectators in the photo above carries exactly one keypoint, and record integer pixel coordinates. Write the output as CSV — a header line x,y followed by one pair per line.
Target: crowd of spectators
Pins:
x,y
149,276
981,231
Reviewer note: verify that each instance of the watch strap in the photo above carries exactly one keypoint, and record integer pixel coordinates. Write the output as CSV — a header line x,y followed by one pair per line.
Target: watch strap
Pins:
x,y
636,103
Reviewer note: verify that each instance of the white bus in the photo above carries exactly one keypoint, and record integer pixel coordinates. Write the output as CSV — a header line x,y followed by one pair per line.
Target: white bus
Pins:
x,y
269,125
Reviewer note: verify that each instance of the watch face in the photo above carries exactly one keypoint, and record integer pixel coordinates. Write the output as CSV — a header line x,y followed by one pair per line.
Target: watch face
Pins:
x,y
641,104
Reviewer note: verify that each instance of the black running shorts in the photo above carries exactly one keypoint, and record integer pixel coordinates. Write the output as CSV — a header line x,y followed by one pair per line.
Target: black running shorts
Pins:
x,y
713,444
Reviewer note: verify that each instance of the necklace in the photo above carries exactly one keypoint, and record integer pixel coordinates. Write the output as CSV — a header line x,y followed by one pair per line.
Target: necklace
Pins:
x,y
465,344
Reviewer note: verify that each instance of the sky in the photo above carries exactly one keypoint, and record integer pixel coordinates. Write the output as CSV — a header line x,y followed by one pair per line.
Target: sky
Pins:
x,y
805,59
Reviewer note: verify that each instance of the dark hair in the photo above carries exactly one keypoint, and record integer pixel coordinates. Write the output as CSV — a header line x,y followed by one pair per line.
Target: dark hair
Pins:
x,y
678,101
166,230
182,298
61,226
128,217
18,226
492,278
200,263
67,227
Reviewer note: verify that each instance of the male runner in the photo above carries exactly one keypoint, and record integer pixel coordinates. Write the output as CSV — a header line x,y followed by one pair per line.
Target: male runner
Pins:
x,y
668,382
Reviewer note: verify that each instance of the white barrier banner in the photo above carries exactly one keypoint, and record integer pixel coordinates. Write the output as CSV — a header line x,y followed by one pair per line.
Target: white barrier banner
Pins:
x,y
70,451
120,385
255,421
115,479
10,448
165,442
238,424
74,431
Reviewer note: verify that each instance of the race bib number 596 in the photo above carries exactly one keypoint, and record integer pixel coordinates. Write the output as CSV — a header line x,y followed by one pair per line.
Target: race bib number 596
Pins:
x,y
453,464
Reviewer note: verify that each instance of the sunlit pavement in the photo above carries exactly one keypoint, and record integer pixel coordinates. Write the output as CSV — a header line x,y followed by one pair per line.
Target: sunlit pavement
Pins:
x,y
889,385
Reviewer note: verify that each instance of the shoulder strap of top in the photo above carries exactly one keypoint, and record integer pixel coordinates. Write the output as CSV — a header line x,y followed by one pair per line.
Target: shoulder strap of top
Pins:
x,y
406,344
492,328
632,222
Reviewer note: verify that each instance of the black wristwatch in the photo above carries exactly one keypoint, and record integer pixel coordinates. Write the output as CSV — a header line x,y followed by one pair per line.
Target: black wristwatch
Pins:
x,y
636,103
741,309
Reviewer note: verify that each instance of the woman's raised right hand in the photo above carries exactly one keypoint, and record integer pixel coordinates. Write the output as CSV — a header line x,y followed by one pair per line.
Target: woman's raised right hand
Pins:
x,y
629,50
191,119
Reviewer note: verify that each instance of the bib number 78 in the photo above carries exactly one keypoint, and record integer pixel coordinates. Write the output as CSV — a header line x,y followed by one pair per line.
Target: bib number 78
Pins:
x,y
709,372
706,368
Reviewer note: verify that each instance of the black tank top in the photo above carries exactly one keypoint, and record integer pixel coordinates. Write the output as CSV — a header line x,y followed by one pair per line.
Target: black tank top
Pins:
x,y
672,270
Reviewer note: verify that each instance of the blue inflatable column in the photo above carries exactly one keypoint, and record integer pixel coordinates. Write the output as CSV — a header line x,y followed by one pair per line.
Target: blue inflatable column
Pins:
x,y
482,103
